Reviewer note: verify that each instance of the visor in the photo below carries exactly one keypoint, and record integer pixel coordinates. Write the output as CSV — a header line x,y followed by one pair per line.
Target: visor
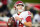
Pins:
x,y
20,4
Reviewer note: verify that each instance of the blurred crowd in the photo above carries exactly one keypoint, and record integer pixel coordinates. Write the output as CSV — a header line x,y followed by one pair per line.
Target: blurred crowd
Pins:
x,y
4,10
34,8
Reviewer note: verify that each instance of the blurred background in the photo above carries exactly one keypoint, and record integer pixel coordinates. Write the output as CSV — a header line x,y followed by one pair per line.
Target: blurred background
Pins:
x,y
7,10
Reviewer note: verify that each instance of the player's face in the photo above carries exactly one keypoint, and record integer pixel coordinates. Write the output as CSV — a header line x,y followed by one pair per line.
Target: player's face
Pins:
x,y
19,7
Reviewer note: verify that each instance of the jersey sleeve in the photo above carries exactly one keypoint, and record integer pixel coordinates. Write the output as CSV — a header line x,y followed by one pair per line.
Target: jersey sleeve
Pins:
x,y
28,18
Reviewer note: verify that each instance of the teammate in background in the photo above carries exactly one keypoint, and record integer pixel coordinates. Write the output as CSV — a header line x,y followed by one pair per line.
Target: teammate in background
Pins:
x,y
22,17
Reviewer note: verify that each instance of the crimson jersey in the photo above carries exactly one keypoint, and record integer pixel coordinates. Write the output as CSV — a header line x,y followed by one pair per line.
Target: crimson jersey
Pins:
x,y
25,16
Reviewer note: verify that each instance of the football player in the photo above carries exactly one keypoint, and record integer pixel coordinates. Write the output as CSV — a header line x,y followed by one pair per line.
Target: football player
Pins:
x,y
22,17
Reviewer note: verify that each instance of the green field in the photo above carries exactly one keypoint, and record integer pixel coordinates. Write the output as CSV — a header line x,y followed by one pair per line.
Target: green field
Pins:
x,y
31,1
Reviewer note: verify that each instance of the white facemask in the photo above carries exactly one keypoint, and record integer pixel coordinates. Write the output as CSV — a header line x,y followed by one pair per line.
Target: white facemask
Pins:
x,y
20,10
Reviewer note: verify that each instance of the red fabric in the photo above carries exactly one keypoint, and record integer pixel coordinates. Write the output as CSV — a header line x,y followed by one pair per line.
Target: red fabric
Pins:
x,y
15,24
20,23
37,6
28,19
4,2
3,23
19,2
3,26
